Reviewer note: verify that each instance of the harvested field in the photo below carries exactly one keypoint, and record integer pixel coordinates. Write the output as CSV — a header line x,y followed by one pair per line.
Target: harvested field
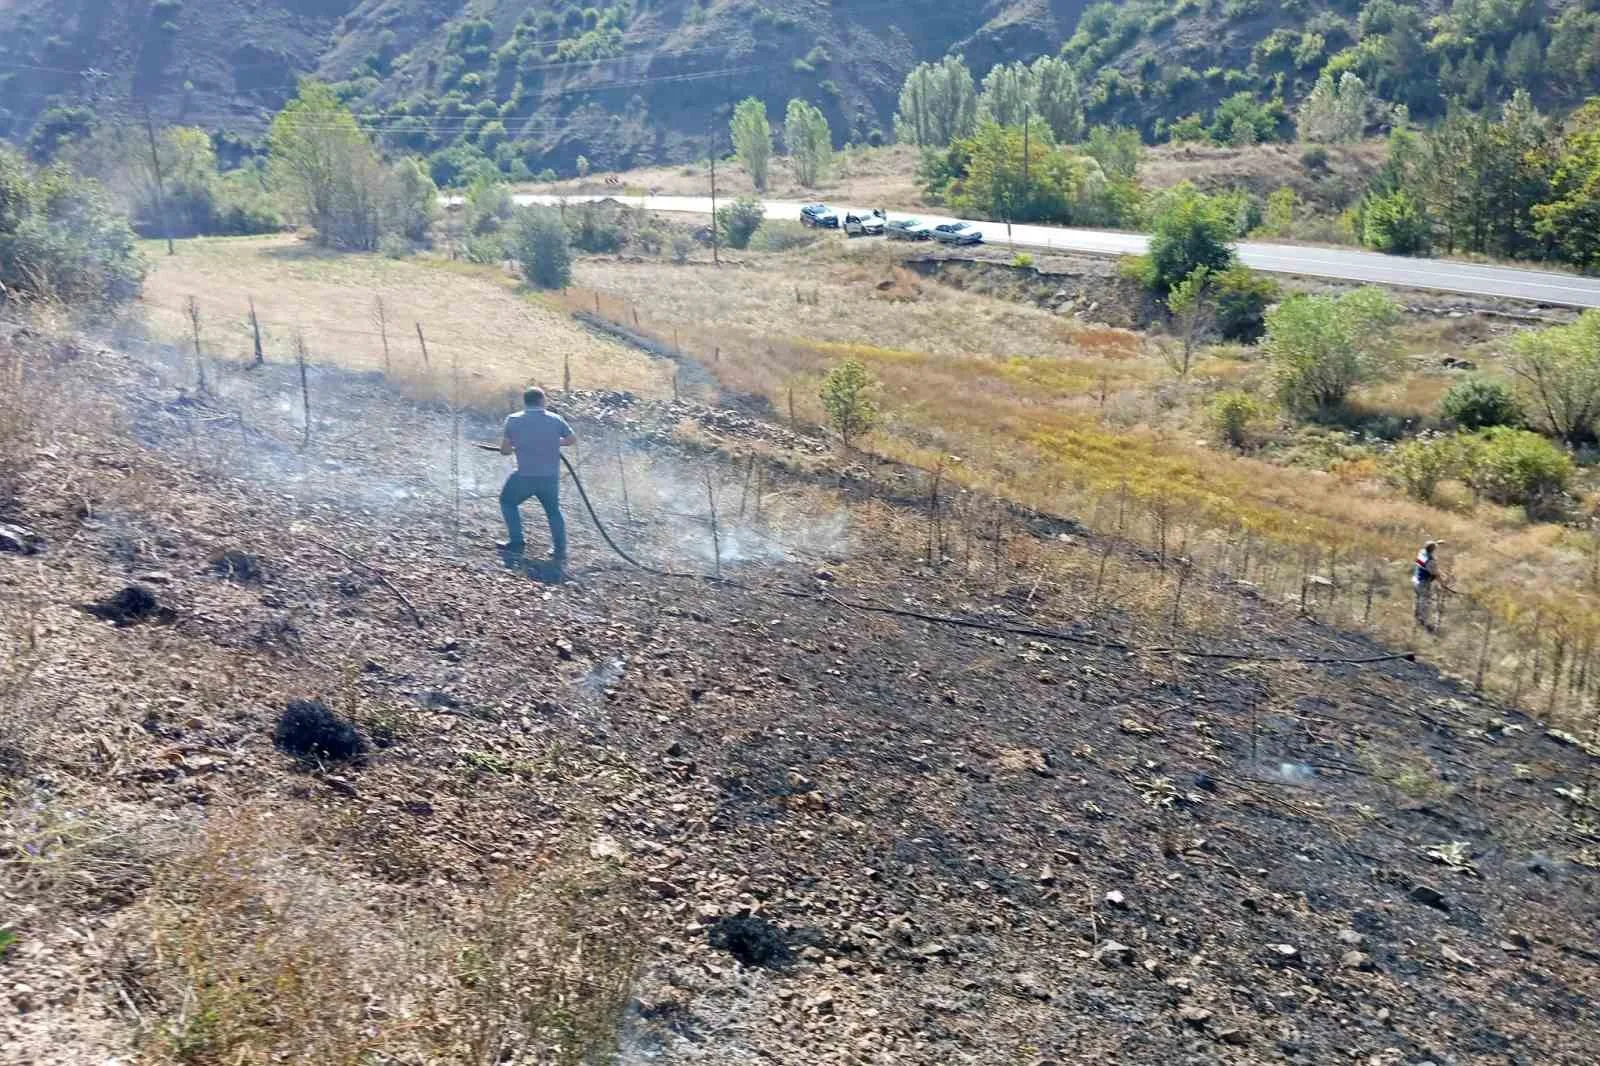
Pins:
x,y
476,316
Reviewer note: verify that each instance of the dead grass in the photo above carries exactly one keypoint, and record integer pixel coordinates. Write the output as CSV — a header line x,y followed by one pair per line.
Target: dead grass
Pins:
x,y
263,951
1061,417
474,316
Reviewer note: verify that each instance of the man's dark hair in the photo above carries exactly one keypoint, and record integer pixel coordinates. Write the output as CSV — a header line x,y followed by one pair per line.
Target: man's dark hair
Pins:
x,y
533,396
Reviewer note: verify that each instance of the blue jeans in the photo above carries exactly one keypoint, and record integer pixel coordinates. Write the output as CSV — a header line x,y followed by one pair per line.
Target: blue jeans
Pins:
x,y
520,488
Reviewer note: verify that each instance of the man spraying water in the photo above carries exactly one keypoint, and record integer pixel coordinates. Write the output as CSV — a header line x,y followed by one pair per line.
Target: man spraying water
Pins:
x,y
536,437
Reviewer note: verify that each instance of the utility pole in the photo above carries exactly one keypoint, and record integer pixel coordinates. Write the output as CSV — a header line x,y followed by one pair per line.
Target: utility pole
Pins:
x,y
712,151
161,192
1024,150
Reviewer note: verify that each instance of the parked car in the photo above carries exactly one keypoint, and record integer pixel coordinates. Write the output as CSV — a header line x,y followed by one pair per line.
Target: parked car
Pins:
x,y
957,233
819,215
864,225
906,229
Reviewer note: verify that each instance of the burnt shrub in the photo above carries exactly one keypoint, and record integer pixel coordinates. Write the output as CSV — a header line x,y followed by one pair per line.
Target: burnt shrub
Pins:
x,y
312,732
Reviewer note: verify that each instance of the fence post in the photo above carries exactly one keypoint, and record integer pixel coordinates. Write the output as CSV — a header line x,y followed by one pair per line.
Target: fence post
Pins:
x,y
423,341
300,358
380,318
716,534
255,328
192,307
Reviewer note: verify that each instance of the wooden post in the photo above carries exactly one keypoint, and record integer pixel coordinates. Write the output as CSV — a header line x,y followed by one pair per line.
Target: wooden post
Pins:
x,y
161,191
674,383
301,358
744,492
622,479
1483,650
423,341
192,307
999,510
255,327
1177,596
380,318
455,441
794,423
716,534
566,372
935,554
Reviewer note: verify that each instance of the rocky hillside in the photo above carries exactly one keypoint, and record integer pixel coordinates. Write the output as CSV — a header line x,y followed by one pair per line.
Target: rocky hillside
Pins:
x,y
535,86
635,81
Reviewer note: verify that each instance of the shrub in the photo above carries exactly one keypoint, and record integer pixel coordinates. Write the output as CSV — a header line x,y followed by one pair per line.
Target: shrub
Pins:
x,y
738,222
775,235
1315,159
1191,229
1558,371
309,730
594,228
1514,466
1324,346
682,245
394,246
1230,414
846,395
485,249
1480,403
1396,223
539,245
1242,297
1418,466
60,239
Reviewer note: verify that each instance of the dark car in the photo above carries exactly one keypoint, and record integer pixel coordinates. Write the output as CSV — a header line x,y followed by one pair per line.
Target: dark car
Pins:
x,y
957,233
819,215
906,229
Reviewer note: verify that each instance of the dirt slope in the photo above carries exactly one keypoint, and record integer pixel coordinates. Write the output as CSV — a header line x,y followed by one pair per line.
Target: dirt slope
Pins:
x,y
971,847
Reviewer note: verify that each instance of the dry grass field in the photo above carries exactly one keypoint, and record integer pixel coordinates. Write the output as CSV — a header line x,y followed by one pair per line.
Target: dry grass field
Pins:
x,y
1076,419
502,338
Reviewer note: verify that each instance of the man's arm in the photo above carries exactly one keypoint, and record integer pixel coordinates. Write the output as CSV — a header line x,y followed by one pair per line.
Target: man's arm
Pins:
x,y
569,438
505,439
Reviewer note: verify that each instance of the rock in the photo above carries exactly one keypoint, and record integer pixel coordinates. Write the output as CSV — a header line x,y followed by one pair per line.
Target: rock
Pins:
x,y
1356,960
1047,875
1351,937
606,847
936,951
1116,899
1285,954
1112,953
1236,1037
20,541
821,1004
1194,1015
1429,897
1029,986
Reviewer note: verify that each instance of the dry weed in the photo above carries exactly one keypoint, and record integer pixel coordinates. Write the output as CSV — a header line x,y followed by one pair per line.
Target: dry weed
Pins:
x,y
264,952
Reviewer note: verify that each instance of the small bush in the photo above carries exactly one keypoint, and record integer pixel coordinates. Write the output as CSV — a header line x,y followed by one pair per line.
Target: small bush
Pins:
x,y
1418,466
394,246
1243,297
775,235
846,395
1231,414
1022,260
539,245
1480,403
1396,223
738,222
1514,466
61,240
485,250
308,730
1315,159
682,245
594,228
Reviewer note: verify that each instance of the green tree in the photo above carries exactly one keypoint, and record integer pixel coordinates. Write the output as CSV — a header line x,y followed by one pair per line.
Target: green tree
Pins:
x,y
938,104
1243,297
847,397
1278,219
1397,223
1117,149
1513,466
752,139
1230,414
325,168
1191,230
1056,185
1480,403
539,244
738,222
60,238
1557,371
412,200
1007,95
1569,216
810,142
1321,347
1190,303
1057,98
1334,112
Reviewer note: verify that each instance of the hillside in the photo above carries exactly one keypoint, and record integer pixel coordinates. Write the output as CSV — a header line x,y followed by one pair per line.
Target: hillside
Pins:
x,y
692,821
535,87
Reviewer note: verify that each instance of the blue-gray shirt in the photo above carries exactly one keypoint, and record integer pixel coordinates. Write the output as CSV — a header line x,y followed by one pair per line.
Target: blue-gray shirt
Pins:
x,y
536,435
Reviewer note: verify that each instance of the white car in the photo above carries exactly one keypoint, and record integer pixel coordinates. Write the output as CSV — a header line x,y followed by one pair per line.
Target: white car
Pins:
x,y
864,225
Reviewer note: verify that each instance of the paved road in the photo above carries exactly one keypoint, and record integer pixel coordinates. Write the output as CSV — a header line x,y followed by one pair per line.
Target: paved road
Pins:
x,y
1467,278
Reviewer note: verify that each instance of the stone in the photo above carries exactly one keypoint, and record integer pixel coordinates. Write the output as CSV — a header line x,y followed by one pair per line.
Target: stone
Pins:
x,y
1112,953
1194,1015
19,541
1356,960
1430,897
